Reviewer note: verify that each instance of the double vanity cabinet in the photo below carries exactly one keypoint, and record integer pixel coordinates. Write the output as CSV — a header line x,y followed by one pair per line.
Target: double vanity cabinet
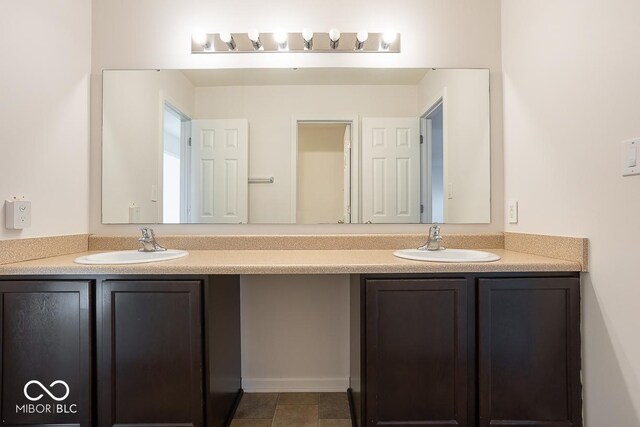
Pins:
x,y
445,349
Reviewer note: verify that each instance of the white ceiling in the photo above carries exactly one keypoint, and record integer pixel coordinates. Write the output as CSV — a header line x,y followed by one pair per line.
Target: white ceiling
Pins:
x,y
305,76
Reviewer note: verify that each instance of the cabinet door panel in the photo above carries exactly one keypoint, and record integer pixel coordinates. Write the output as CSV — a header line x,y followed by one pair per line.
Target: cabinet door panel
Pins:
x,y
152,354
416,363
45,353
529,353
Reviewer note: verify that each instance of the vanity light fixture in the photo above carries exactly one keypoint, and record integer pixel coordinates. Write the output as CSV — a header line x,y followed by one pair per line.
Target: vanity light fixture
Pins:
x,y
388,37
361,37
281,39
305,41
227,39
334,38
307,38
254,37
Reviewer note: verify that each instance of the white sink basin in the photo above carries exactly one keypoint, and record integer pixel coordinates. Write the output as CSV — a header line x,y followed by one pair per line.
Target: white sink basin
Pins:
x,y
130,257
447,255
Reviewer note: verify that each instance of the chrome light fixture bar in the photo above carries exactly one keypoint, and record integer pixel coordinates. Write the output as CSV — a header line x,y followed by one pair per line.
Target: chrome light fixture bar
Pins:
x,y
306,41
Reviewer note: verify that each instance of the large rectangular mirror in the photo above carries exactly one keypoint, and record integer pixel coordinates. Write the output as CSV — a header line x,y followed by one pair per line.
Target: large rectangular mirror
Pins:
x,y
302,146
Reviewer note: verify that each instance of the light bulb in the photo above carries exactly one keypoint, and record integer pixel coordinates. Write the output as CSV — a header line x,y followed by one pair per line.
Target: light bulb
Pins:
x,y
281,39
389,36
227,38
307,38
361,37
307,34
280,36
334,38
200,38
254,35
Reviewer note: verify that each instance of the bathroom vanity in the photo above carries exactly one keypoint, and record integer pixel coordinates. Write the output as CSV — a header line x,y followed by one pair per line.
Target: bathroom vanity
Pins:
x,y
459,349
132,350
159,344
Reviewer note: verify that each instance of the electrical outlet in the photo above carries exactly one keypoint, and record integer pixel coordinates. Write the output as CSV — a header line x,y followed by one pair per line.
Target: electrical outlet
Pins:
x,y
512,211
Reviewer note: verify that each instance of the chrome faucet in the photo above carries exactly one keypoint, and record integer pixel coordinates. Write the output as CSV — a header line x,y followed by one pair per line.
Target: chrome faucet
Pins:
x,y
433,241
148,241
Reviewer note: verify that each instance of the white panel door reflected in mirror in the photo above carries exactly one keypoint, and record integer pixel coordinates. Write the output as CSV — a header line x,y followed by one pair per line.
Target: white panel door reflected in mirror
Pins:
x,y
219,182
391,170
306,146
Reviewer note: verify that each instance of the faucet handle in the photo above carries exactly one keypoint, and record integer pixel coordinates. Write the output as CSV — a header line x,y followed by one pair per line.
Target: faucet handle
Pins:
x,y
148,241
147,232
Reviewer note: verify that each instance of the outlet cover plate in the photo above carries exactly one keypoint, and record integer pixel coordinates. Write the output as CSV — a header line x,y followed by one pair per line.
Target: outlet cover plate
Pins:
x,y
512,211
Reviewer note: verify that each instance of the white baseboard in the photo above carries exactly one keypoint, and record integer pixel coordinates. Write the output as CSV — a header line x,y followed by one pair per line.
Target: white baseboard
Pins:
x,y
283,385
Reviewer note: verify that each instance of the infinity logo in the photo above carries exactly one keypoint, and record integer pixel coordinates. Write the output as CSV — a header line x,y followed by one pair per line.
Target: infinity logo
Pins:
x,y
57,399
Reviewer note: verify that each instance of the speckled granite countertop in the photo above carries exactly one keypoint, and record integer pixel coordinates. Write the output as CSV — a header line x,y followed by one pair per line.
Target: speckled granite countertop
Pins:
x,y
291,262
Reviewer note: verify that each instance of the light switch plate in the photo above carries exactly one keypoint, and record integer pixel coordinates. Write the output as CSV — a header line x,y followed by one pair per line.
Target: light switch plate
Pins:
x,y
512,211
631,157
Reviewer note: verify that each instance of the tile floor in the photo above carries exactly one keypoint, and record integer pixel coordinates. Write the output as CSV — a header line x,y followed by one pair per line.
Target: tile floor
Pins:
x,y
293,410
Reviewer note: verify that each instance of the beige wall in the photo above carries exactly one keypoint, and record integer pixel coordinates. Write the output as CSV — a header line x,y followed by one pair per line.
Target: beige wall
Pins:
x,y
295,333
133,135
467,155
44,113
155,34
572,94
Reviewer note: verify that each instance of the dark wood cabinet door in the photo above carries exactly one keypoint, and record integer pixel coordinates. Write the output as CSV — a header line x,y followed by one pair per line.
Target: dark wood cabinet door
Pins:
x,y
150,350
45,353
417,359
529,352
